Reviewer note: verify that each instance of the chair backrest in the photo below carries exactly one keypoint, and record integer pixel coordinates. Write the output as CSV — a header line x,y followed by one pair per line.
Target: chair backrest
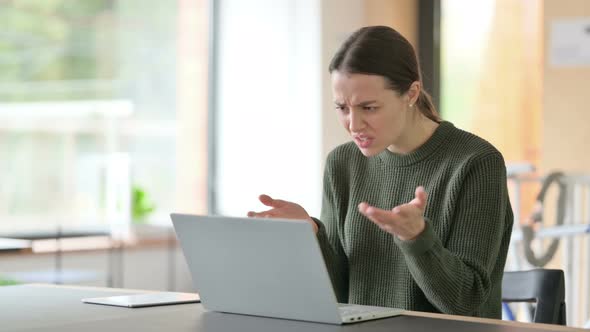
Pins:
x,y
543,286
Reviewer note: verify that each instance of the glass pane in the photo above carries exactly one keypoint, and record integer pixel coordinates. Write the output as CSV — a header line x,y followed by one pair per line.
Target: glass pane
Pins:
x,y
269,104
491,69
88,111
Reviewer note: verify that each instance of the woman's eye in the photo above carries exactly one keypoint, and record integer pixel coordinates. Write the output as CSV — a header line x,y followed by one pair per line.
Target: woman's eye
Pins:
x,y
340,108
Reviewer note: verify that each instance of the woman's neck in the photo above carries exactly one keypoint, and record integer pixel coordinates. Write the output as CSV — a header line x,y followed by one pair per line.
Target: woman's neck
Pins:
x,y
415,135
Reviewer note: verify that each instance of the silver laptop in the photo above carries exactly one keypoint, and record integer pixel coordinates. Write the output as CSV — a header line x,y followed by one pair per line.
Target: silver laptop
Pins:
x,y
264,267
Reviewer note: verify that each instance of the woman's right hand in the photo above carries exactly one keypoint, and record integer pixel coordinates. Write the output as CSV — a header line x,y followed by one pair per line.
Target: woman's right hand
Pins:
x,y
282,209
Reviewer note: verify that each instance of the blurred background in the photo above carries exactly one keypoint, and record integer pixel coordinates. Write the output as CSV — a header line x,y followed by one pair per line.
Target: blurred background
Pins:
x,y
115,113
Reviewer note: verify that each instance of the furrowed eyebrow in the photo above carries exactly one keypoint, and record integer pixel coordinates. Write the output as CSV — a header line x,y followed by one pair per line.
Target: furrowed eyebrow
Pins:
x,y
361,104
365,103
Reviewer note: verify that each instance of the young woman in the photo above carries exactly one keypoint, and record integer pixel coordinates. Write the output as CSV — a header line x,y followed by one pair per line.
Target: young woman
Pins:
x,y
415,212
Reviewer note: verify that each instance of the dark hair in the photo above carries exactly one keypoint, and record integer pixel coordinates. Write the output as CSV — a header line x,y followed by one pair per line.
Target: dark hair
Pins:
x,y
382,51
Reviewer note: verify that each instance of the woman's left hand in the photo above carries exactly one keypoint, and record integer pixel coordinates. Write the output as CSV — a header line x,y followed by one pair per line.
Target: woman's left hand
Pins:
x,y
405,221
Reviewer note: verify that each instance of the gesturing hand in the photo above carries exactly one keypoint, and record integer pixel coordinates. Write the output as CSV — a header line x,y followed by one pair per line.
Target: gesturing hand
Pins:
x,y
282,209
405,221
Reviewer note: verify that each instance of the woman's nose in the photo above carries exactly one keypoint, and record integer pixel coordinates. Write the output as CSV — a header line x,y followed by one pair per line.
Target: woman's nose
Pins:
x,y
355,122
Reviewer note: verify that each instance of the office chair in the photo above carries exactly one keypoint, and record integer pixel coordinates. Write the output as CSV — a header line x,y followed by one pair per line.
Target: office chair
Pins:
x,y
544,287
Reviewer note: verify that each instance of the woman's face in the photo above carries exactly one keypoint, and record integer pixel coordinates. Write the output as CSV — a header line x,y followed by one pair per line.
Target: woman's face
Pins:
x,y
376,117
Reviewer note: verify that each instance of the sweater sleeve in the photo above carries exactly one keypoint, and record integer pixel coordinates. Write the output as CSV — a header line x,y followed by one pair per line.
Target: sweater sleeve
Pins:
x,y
456,278
330,240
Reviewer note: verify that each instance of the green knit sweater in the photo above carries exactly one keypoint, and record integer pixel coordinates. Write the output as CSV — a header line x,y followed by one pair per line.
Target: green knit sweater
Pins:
x,y
456,265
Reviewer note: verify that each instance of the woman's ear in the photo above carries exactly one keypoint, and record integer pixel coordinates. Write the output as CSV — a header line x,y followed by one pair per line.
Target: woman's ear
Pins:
x,y
414,92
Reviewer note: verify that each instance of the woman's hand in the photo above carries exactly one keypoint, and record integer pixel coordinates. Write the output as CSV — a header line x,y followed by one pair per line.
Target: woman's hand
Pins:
x,y
282,209
405,221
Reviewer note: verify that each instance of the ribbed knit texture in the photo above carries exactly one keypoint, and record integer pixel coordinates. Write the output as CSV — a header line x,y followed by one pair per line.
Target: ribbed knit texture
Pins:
x,y
456,265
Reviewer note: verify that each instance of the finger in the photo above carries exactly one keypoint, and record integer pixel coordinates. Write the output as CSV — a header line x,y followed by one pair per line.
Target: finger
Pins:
x,y
384,225
407,210
269,201
377,215
265,199
263,214
363,207
401,210
420,198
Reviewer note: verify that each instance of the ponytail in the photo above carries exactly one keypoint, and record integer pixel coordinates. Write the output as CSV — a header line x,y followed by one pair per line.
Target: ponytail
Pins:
x,y
426,106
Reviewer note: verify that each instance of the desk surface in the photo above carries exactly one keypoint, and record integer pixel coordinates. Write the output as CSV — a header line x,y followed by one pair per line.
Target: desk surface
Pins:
x,y
58,308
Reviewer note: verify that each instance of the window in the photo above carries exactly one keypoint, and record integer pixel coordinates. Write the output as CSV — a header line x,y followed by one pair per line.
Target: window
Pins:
x,y
268,104
90,101
491,72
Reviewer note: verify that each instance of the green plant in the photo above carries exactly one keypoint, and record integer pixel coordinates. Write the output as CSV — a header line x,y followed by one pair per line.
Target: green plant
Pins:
x,y
141,206
7,282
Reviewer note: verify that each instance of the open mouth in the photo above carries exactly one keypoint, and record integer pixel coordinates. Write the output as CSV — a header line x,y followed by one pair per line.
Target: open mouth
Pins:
x,y
363,141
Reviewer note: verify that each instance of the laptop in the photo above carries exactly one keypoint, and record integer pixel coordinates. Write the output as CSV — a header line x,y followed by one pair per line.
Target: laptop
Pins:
x,y
264,267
